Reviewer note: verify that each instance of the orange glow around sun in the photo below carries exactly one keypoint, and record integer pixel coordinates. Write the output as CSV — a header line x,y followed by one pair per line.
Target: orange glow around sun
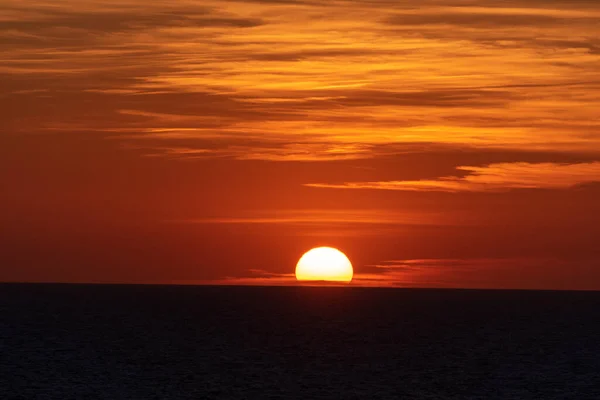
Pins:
x,y
324,264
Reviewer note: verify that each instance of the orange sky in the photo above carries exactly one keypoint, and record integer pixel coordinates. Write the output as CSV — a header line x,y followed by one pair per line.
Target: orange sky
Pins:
x,y
449,143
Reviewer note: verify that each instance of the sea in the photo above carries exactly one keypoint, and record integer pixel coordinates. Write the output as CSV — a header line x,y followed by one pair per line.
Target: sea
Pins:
x,y
61,341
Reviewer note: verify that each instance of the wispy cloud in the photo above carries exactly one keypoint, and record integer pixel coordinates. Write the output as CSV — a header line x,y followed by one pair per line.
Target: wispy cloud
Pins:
x,y
494,177
315,81
258,277
330,218
475,273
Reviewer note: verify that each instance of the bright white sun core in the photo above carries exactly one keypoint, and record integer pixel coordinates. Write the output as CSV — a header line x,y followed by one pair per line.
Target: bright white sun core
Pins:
x,y
324,264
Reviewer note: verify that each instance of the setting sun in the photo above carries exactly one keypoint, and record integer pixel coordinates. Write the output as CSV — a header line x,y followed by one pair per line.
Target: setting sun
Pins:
x,y
324,264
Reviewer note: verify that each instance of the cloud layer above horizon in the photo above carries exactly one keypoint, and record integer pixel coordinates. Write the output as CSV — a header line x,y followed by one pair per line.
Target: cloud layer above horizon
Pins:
x,y
493,178
304,80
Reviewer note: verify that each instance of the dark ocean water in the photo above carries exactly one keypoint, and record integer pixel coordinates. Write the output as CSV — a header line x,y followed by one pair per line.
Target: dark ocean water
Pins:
x,y
177,342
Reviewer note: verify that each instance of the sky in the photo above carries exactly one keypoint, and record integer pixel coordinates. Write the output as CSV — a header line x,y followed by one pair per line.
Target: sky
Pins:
x,y
439,143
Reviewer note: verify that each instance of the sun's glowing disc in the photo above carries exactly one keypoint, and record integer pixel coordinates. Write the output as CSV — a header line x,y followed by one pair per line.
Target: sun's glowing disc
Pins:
x,y
324,264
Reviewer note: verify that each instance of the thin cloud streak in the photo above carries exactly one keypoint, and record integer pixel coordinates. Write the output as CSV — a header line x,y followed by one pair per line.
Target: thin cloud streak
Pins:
x,y
476,273
492,178
333,217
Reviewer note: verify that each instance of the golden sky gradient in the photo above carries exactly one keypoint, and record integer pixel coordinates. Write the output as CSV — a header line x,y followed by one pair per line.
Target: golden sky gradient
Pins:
x,y
180,141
